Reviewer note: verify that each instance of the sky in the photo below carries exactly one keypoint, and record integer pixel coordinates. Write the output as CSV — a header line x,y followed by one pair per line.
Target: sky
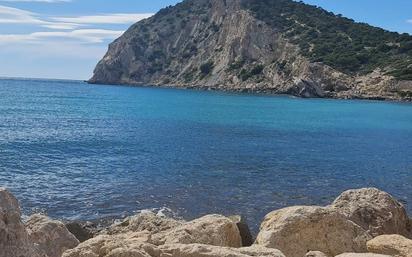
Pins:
x,y
65,39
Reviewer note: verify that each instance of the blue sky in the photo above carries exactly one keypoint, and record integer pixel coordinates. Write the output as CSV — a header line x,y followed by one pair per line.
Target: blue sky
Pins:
x,y
66,38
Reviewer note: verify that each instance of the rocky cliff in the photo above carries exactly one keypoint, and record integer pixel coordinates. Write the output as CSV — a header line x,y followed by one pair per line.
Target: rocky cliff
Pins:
x,y
251,46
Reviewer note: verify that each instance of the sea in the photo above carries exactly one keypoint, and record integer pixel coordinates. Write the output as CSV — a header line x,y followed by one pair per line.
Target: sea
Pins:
x,y
82,152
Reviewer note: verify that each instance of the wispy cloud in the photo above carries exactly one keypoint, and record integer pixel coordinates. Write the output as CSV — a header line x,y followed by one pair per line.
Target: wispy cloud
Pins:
x,y
10,15
38,1
36,38
409,21
116,18
79,36
72,28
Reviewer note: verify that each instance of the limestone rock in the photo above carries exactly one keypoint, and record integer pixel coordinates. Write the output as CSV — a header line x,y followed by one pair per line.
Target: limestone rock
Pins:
x,y
239,51
316,254
135,245
14,239
362,255
297,230
395,245
375,211
144,222
51,237
211,229
121,245
245,234
198,250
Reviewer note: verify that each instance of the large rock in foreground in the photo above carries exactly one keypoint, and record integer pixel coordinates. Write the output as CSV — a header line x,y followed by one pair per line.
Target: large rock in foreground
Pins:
x,y
148,221
52,237
198,250
395,245
14,239
362,255
375,211
121,245
136,244
214,230
297,230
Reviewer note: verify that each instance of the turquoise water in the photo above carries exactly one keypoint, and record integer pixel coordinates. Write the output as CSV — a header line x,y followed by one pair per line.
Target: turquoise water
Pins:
x,y
79,151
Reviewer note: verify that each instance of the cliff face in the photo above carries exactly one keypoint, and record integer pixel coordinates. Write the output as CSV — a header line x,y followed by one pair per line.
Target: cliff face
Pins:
x,y
220,44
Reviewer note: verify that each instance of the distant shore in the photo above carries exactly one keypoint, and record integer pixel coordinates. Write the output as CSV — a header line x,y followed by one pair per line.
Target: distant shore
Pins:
x,y
256,92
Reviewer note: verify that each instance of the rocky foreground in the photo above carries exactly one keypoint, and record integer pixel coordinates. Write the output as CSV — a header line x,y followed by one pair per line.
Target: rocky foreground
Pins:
x,y
359,223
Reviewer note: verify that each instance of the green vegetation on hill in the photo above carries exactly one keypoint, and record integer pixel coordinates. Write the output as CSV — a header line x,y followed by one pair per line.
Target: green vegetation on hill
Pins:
x,y
339,42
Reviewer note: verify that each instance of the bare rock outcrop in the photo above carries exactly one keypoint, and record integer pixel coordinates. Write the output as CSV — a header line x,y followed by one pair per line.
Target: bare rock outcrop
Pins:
x,y
136,244
214,230
297,230
340,229
316,254
362,255
147,221
198,250
145,235
51,236
120,245
395,245
14,239
375,211
99,247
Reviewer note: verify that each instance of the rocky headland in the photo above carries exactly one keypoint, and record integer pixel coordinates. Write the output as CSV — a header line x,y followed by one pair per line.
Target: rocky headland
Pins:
x,y
359,223
274,47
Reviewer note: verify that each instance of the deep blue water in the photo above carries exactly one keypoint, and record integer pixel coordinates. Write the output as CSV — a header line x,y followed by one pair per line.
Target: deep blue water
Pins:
x,y
81,151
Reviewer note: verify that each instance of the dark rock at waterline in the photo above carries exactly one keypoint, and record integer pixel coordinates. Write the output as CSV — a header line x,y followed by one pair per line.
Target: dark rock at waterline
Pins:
x,y
82,231
245,234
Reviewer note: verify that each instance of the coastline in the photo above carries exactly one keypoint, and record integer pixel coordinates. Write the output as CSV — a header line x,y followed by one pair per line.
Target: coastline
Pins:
x,y
252,92
359,223
213,89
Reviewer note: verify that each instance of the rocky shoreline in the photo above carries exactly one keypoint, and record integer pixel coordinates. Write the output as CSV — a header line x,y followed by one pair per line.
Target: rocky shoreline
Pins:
x,y
225,46
267,92
359,223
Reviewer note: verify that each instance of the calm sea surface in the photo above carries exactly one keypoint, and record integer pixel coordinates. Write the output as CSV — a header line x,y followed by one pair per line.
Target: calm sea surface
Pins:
x,y
81,151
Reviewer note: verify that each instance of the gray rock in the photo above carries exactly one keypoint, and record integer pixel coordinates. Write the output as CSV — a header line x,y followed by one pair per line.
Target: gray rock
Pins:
x,y
297,230
129,244
51,236
14,239
395,245
147,221
198,250
214,230
375,211
362,255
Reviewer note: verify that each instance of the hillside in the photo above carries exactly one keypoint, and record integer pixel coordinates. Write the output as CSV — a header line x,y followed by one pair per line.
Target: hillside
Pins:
x,y
269,46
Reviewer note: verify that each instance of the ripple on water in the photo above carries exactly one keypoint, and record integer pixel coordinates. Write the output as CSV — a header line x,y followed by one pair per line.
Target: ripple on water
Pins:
x,y
80,151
